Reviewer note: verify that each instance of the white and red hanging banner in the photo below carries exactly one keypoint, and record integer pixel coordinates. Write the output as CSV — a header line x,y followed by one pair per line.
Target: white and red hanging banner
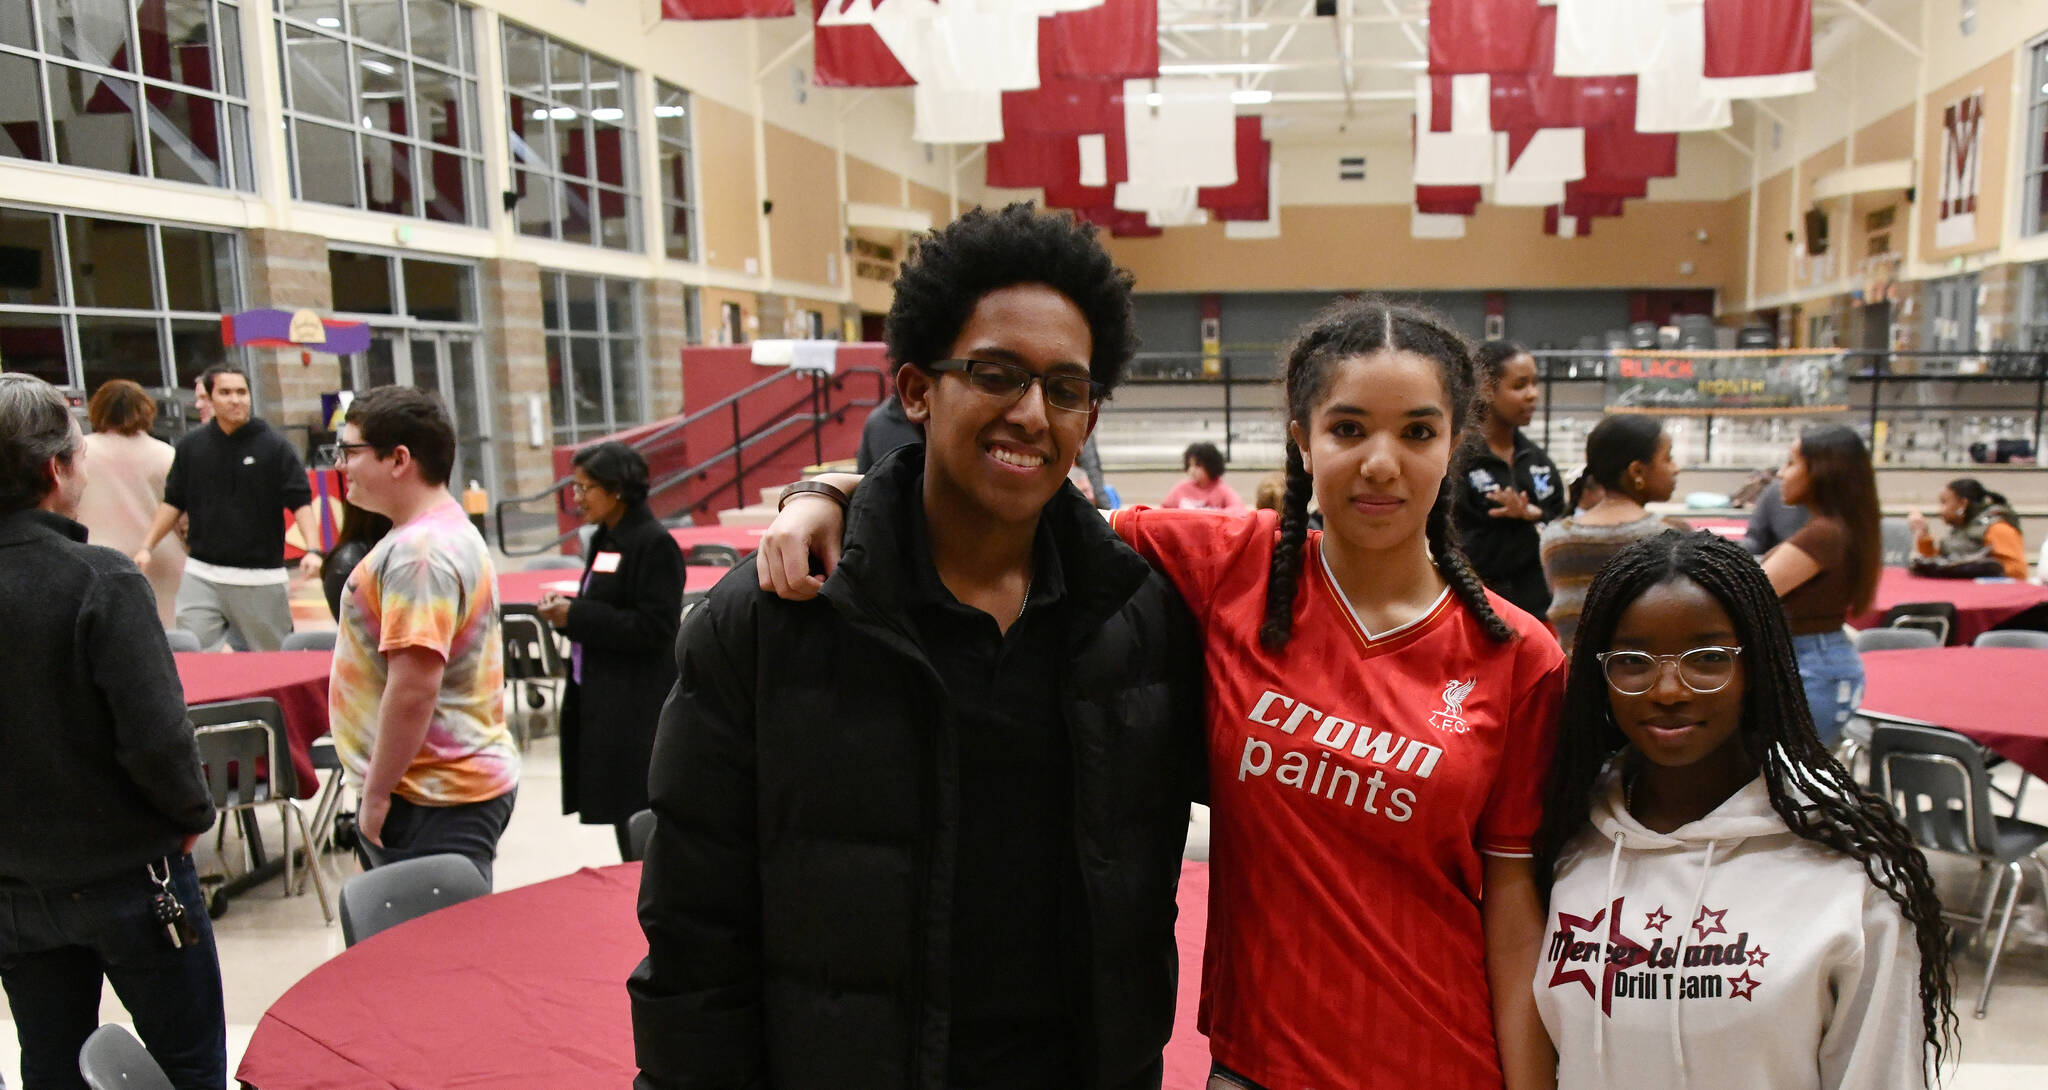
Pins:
x,y
1961,165
727,9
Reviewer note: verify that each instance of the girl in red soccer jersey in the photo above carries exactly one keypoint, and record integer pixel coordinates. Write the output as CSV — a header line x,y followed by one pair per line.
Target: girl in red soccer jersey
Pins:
x,y
1378,726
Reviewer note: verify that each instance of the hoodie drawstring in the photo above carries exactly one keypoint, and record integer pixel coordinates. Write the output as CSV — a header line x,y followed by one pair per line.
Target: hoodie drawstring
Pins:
x,y
1600,1024
1678,1006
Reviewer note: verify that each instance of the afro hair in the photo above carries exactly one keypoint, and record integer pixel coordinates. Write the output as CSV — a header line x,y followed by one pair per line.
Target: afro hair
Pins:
x,y
949,270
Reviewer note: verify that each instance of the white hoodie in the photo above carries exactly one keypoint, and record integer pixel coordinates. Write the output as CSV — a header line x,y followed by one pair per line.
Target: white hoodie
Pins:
x,y
1730,953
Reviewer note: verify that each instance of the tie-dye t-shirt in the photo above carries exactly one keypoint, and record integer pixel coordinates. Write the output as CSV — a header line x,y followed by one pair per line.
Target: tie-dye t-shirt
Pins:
x,y
429,583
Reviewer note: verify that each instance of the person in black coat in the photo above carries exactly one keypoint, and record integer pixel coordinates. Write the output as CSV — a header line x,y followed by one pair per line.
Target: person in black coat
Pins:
x,y
623,622
1507,486
924,830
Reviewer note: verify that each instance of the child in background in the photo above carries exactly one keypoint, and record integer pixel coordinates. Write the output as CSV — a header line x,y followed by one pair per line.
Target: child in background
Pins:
x,y
1203,490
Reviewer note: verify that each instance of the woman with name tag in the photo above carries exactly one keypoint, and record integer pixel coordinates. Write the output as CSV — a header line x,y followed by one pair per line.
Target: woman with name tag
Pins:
x,y
623,621
1729,907
1378,726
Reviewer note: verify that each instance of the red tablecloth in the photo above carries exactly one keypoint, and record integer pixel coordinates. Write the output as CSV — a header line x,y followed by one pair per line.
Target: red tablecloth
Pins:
x,y
744,538
297,680
526,587
1980,607
527,988
1994,695
1727,527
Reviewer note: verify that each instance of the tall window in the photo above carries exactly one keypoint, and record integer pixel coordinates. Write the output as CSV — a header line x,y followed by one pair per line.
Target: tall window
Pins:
x,y
572,122
85,299
151,88
380,97
2034,176
678,200
594,369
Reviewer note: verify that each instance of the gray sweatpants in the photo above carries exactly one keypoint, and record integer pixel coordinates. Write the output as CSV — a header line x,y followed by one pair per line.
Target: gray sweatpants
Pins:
x,y
260,616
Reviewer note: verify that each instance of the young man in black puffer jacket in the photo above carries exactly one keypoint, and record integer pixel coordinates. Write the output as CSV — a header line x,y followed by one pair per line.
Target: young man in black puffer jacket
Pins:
x,y
924,831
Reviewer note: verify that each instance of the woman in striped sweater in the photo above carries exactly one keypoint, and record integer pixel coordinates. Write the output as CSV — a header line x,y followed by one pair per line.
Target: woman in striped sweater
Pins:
x,y
1629,456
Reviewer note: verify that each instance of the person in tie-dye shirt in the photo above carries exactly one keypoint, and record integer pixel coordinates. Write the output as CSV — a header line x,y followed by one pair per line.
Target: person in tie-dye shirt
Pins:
x,y
418,662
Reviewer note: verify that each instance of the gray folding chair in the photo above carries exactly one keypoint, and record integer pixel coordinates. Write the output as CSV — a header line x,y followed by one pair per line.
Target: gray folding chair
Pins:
x,y
639,828
533,661
113,1059
713,555
322,640
408,889
234,736
555,562
181,640
2013,637
1895,639
1937,780
327,807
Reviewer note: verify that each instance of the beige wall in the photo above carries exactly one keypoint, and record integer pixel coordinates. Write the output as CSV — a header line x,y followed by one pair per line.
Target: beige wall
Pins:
x,y
1324,248
1773,204
725,142
804,230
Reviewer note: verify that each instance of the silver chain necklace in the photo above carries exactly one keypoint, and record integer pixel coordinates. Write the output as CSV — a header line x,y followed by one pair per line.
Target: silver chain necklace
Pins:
x,y
1026,602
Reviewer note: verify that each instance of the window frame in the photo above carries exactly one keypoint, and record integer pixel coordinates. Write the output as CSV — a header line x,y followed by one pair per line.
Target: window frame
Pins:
x,y
561,335
686,146
2034,166
159,313
546,166
420,146
236,163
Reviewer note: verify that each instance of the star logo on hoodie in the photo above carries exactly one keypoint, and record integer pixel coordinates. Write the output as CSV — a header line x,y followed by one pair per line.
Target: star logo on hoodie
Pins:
x,y
1655,921
1699,922
1740,987
1757,956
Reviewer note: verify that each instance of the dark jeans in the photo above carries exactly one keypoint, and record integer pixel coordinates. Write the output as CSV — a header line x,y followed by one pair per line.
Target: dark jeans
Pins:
x,y
56,944
470,830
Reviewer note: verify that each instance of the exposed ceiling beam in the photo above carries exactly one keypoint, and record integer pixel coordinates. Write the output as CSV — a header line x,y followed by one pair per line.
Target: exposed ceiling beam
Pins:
x,y
1882,27
1285,39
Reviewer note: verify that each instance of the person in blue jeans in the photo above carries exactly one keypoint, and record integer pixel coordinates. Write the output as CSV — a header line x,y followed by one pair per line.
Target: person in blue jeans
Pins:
x,y
1827,570
104,793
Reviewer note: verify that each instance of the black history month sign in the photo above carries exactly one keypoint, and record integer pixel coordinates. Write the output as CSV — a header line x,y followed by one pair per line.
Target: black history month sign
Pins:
x,y
1754,381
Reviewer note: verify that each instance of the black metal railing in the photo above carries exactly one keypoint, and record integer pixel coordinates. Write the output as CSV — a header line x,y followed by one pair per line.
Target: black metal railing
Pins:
x,y
802,417
1873,375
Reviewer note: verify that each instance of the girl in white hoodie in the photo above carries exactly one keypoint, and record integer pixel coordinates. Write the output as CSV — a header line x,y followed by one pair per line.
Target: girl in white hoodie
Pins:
x,y
1737,912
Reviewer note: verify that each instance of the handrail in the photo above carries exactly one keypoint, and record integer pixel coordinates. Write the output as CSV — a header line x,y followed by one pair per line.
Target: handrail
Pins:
x,y
730,403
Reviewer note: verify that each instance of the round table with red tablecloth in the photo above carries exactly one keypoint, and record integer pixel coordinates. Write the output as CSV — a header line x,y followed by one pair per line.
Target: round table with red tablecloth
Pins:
x,y
1992,695
526,587
1981,605
527,989
297,680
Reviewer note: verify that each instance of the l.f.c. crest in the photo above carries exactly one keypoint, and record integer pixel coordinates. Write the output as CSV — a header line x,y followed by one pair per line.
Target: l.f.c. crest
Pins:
x,y
1451,717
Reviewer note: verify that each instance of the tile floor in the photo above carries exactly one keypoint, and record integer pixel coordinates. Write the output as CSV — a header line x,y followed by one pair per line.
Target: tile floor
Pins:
x,y
267,941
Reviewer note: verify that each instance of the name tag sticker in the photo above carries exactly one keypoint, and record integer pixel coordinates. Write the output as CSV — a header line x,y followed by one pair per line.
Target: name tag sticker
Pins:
x,y
605,562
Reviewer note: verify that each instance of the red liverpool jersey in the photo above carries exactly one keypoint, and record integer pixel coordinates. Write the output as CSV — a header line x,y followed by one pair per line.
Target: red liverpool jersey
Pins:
x,y
1356,778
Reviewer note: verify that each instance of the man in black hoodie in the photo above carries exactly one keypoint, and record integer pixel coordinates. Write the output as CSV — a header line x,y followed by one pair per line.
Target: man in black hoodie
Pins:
x,y
924,831
234,477
104,794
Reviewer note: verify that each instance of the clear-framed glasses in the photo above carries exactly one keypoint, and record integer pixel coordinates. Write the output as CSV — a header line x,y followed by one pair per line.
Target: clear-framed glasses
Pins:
x,y
1702,669
344,451
1075,393
578,488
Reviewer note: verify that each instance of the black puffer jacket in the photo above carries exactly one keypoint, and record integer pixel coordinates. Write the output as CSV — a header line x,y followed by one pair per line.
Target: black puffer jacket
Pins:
x,y
798,889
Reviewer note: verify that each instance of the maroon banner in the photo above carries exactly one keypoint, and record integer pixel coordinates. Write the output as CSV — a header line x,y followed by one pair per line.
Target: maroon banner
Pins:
x,y
727,9
1604,186
1244,199
1030,162
1550,217
1758,37
1119,40
1119,223
1616,152
1065,107
1472,36
852,56
1447,200
1589,205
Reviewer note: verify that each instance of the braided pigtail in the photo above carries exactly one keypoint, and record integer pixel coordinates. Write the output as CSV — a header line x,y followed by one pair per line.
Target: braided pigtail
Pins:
x,y
1457,571
1283,579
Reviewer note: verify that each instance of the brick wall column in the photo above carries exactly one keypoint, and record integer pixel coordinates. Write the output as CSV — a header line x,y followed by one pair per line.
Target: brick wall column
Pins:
x,y
288,270
668,331
1998,314
515,354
